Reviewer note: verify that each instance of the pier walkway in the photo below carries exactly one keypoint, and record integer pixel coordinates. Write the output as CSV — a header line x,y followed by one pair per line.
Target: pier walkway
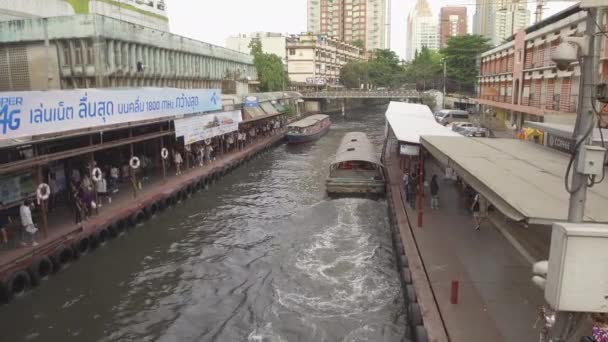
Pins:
x,y
497,301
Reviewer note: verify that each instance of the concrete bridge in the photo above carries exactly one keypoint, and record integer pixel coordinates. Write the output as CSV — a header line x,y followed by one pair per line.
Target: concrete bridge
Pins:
x,y
411,95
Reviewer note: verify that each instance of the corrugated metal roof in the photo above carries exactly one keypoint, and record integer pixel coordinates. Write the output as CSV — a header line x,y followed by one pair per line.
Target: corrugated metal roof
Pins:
x,y
525,181
309,120
355,146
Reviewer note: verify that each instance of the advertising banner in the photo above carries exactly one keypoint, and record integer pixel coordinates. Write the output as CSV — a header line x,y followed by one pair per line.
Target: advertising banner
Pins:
x,y
32,113
251,101
207,126
560,143
409,150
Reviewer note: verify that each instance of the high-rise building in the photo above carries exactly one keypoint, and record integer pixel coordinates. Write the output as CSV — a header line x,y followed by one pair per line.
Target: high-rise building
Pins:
x,y
350,21
150,13
275,43
498,20
452,22
421,30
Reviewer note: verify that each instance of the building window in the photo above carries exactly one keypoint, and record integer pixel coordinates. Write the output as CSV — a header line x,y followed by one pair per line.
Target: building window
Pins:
x,y
292,52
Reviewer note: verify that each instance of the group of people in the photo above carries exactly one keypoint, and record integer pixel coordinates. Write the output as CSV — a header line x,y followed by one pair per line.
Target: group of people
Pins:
x,y
412,187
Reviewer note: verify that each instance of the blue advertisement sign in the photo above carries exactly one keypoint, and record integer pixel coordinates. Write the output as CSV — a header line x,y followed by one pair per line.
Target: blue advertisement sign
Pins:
x,y
251,101
32,113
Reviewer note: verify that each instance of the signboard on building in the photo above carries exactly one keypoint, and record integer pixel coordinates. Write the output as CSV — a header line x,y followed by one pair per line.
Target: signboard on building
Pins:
x,y
560,143
32,113
207,126
316,81
251,101
409,150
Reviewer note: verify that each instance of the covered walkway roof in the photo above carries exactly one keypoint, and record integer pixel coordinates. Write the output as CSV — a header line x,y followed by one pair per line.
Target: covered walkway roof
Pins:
x,y
523,180
409,121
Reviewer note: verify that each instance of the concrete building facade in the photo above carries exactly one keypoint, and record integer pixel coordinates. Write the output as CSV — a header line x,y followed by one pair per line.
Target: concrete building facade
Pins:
x,y
150,13
93,51
421,30
499,20
317,60
452,22
275,43
519,82
350,21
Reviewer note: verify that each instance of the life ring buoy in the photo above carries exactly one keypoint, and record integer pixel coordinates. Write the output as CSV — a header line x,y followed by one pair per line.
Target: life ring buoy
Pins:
x,y
164,153
96,174
43,192
134,163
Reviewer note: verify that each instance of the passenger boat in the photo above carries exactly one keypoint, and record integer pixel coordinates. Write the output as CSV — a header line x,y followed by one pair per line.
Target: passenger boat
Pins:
x,y
308,129
356,169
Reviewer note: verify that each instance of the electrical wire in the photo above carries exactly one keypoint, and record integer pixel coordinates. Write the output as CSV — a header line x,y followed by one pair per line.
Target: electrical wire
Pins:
x,y
599,126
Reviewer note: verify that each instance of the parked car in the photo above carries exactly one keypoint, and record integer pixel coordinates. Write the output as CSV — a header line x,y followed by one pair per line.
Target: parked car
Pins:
x,y
445,116
474,132
460,125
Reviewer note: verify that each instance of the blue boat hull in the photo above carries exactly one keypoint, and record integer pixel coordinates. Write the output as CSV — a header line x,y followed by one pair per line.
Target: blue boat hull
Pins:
x,y
299,139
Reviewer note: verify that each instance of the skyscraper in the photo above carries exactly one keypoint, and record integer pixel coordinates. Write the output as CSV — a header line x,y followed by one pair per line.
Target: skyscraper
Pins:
x,y
452,22
350,20
498,20
421,30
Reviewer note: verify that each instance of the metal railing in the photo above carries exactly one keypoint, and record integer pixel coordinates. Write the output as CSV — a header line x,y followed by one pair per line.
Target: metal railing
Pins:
x,y
361,94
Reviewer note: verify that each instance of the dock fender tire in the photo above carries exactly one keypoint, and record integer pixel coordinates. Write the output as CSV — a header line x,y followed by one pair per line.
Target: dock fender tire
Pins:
x,y
112,231
403,259
62,256
15,285
414,314
406,275
190,189
102,236
411,293
162,204
121,226
420,334
93,242
82,246
137,218
151,209
172,199
40,270
182,195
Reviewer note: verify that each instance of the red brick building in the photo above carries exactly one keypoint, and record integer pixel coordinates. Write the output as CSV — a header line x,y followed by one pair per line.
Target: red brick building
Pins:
x,y
519,82
452,22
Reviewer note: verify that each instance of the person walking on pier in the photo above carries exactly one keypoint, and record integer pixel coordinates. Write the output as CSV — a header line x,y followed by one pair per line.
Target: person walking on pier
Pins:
x,y
434,193
27,222
477,213
177,159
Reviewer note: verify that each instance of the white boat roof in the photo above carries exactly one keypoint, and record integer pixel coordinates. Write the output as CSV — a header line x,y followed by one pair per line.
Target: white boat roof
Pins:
x,y
355,146
524,180
409,121
309,120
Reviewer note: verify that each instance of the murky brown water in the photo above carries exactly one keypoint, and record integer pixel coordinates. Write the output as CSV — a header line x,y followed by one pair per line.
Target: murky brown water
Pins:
x,y
263,255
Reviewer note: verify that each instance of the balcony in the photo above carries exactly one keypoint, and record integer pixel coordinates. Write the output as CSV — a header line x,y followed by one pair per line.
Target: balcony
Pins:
x,y
543,105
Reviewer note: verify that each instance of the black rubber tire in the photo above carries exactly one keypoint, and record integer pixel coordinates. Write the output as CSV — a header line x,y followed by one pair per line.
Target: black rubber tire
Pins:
x,y
162,204
189,189
102,236
40,270
62,256
403,260
414,314
151,209
121,226
16,284
137,218
172,200
83,245
420,334
406,275
112,231
411,293
94,243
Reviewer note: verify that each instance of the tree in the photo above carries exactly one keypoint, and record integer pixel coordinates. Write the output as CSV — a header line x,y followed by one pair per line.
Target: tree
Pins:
x,y
385,69
461,53
425,68
360,44
353,74
271,73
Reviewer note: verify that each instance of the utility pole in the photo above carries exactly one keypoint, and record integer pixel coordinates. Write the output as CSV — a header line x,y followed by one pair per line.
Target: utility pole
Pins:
x,y
445,74
565,321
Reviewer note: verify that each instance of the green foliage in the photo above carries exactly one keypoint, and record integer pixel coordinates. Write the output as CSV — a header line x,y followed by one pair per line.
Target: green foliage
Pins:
x,y
270,69
360,44
426,66
429,100
353,74
461,53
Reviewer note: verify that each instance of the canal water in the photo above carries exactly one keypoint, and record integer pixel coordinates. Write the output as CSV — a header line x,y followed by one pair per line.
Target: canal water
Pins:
x,y
263,255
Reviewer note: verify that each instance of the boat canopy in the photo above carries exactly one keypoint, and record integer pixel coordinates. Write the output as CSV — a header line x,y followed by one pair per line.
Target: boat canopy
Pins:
x,y
355,146
309,121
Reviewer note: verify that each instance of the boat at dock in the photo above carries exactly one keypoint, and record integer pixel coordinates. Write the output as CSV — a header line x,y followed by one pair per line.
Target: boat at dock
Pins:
x,y
308,129
356,169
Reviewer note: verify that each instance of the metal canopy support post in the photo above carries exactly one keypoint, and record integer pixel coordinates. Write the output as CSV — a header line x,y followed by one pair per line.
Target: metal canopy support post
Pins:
x,y
132,170
43,204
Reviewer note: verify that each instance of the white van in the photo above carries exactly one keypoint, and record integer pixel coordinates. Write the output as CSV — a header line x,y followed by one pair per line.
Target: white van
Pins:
x,y
445,116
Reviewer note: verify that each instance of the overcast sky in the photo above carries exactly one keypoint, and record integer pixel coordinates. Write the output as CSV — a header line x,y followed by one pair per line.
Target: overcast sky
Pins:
x,y
213,21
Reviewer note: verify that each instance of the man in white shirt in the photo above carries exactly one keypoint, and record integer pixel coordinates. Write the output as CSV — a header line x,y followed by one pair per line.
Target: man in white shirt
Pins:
x,y
102,190
27,222
177,159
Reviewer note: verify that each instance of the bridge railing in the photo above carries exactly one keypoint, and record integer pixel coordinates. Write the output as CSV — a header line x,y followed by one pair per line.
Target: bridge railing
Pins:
x,y
361,94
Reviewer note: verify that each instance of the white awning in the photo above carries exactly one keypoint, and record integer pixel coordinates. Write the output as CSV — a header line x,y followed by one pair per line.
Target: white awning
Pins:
x,y
409,121
523,180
